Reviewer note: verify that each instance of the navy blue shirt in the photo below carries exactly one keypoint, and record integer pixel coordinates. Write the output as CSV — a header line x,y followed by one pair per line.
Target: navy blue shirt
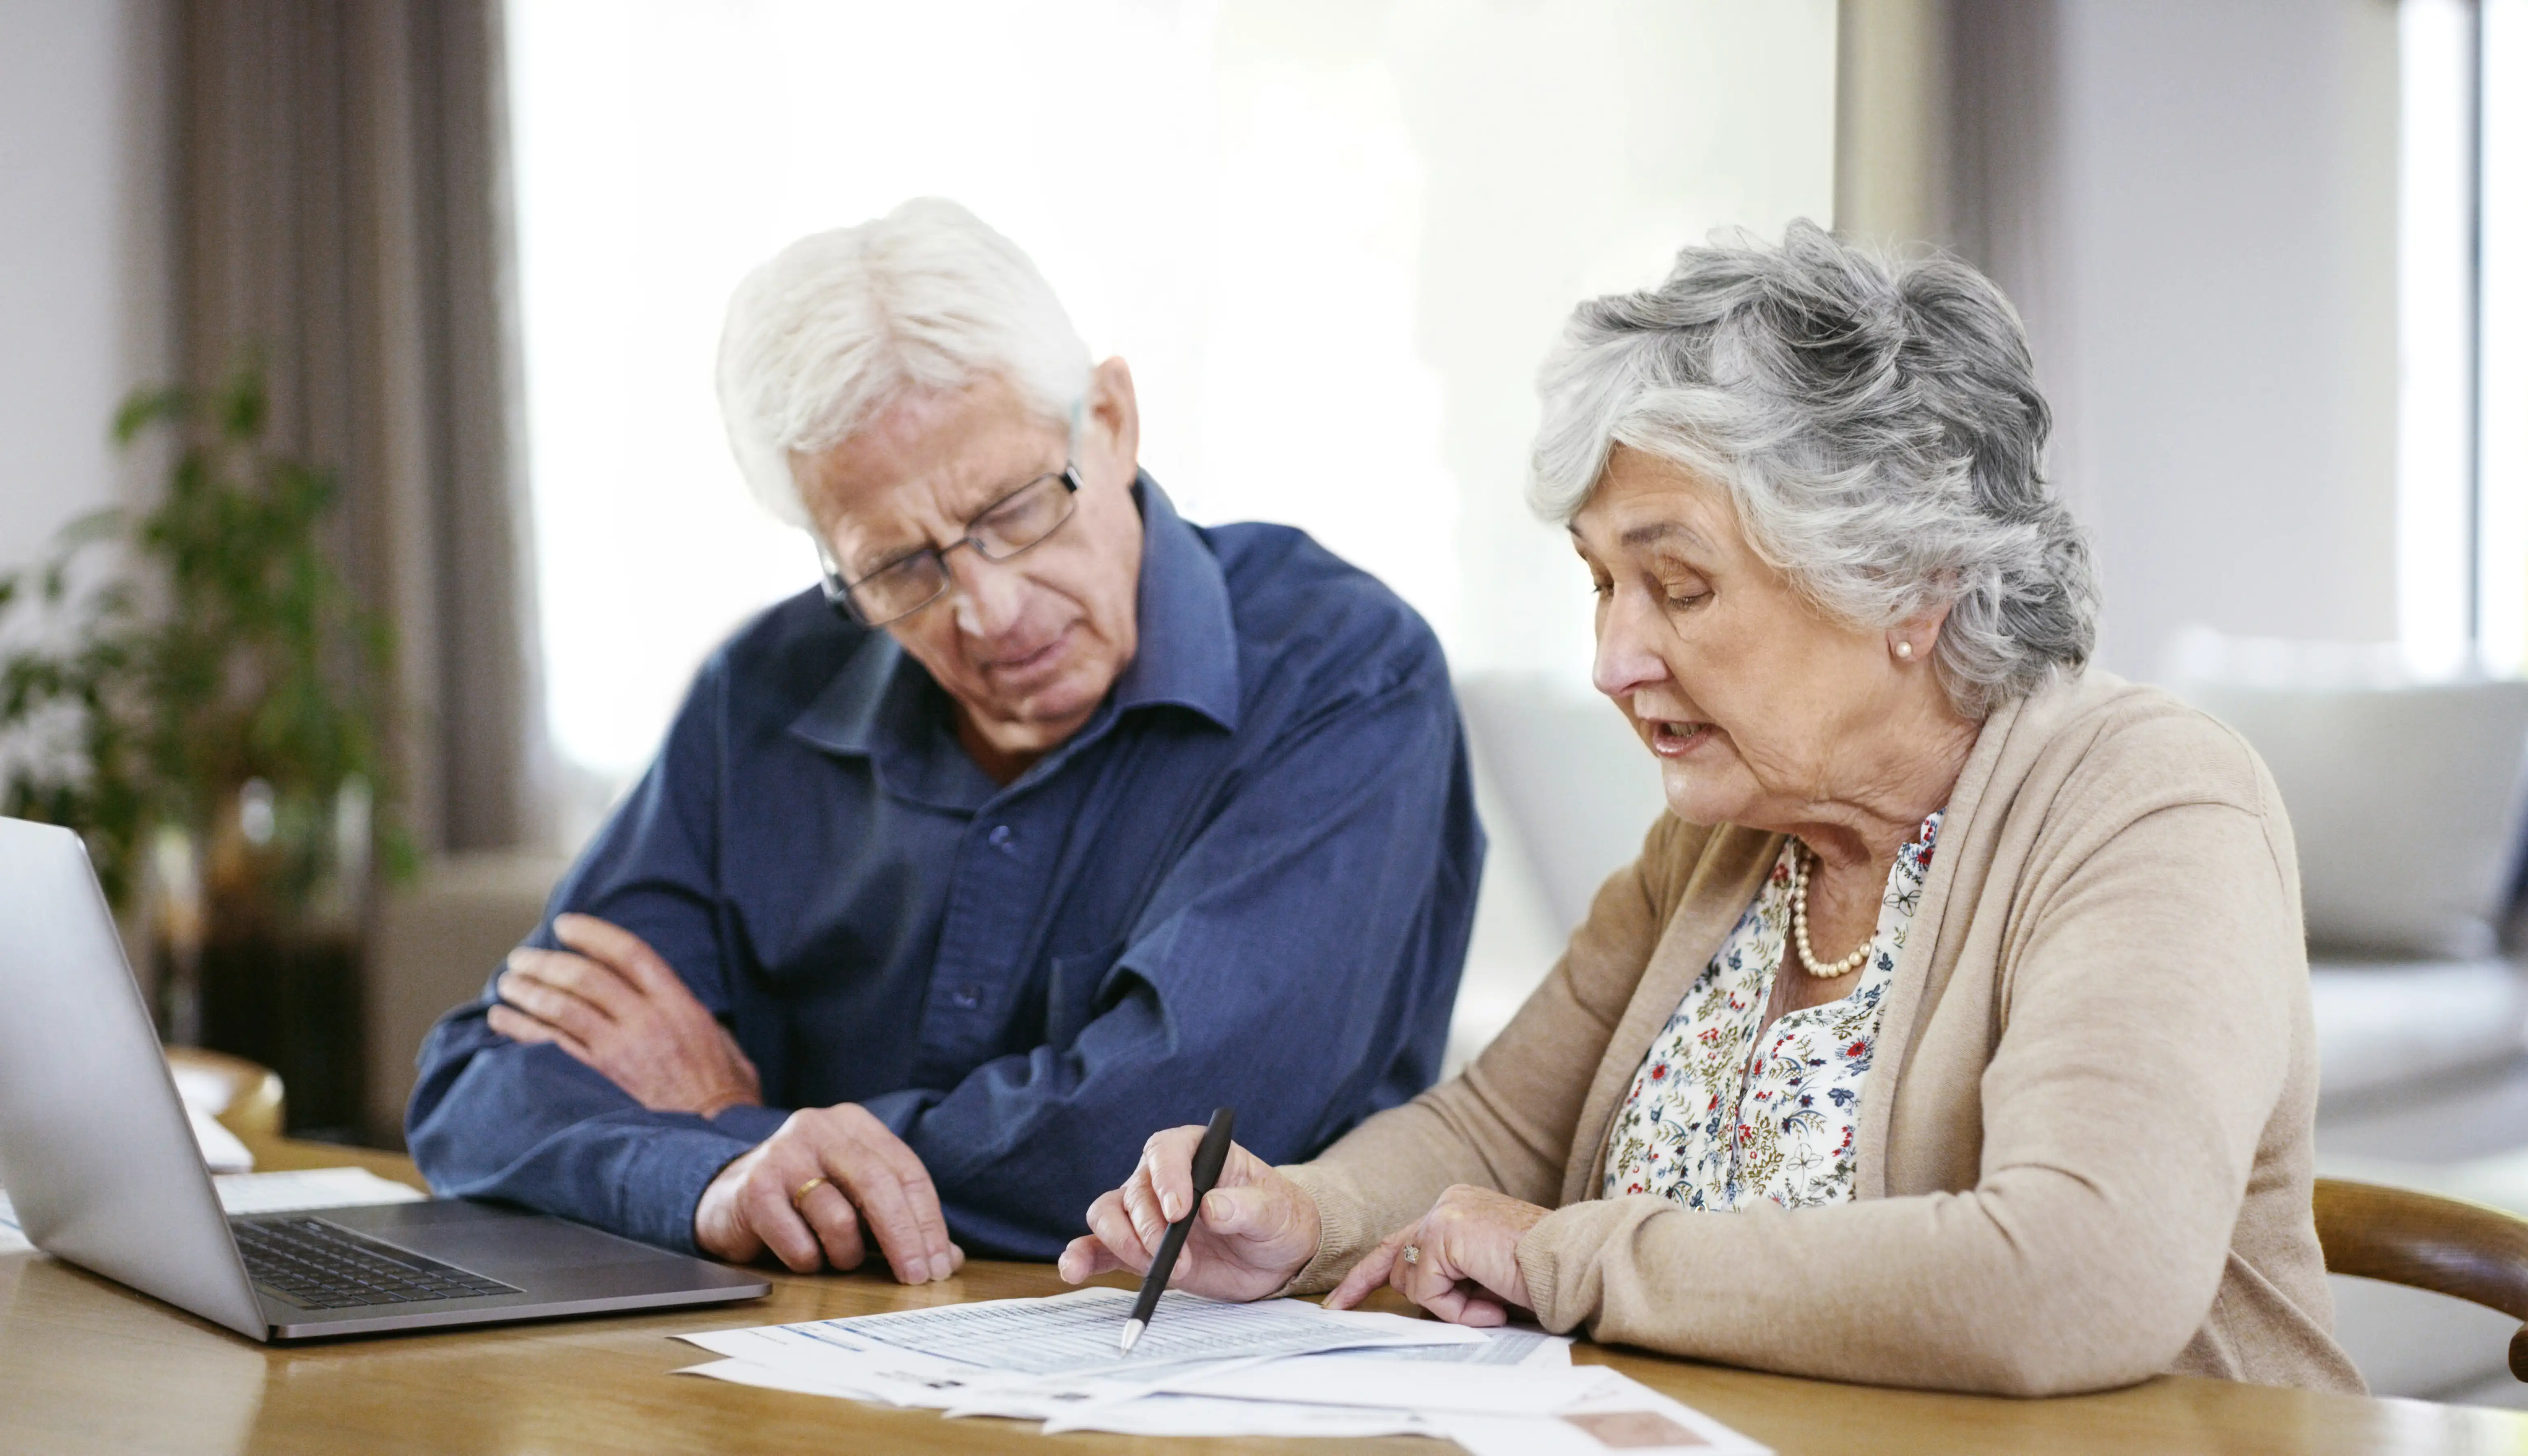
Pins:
x,y
1247,880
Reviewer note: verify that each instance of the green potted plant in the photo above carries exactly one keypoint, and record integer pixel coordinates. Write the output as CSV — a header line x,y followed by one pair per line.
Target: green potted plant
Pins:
x,y
195,690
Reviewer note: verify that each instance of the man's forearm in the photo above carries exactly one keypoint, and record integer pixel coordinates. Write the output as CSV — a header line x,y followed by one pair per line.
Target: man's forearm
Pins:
x,y
529,1126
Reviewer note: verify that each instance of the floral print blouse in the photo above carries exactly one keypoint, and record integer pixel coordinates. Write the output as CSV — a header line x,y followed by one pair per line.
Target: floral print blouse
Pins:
x,y
1715,1122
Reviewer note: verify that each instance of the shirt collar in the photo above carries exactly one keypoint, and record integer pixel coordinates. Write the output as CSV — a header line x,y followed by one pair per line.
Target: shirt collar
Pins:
x,y
872,689
1189,639
1187,656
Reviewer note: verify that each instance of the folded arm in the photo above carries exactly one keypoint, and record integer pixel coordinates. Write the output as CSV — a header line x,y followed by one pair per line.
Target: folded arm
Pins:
x,y
525,1120
1323,909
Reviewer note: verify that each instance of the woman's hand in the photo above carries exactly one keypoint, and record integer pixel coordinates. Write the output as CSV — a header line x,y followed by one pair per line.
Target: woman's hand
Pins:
x,y
1464,1258
1257,1227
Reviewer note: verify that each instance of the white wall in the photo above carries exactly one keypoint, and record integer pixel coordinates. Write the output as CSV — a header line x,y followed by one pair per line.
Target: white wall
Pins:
x,y
1334,240
84,255
2223,352
1567,151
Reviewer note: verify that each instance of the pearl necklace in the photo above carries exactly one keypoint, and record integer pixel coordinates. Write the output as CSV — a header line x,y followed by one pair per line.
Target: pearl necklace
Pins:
x,y
1800,927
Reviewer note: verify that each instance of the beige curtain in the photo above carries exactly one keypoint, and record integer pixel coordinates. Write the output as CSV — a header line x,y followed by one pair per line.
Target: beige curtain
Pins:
x,y
1949,130
1947,124
342,200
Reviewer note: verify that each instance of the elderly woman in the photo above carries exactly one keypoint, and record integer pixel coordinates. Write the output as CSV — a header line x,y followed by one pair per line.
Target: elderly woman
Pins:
x,y
1952,1030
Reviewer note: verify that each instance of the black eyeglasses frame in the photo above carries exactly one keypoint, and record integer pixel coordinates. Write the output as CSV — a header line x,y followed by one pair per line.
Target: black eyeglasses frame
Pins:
x,y
838,592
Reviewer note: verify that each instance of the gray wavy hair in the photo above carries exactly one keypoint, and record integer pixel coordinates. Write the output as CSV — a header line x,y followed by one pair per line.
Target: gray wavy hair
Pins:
x,y
1876,423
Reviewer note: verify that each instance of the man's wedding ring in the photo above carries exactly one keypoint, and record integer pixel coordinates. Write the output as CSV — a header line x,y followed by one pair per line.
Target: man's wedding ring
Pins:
x,y
799,1195
1413,1253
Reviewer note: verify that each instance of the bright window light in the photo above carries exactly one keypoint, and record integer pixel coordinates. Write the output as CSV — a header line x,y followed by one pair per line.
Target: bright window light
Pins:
x,y
2435,512
1333,240
2503,320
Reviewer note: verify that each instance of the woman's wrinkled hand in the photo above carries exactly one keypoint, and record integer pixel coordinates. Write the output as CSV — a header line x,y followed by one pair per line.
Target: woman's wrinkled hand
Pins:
x,y
1464,1258
1257,1227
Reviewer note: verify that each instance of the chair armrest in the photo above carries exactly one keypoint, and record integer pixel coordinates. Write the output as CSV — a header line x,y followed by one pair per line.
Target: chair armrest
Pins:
x,y
2425,1241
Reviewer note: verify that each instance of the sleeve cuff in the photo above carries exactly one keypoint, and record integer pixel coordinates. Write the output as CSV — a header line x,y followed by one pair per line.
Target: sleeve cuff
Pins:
x,y
748,1121
1561,1257
670,1174
1341,1235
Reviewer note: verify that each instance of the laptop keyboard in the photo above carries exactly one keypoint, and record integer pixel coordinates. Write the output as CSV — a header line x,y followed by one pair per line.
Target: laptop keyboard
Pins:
x,y
326,1267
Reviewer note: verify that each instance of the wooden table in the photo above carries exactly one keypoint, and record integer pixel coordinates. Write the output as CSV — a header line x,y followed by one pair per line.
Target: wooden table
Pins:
x,y
88,1367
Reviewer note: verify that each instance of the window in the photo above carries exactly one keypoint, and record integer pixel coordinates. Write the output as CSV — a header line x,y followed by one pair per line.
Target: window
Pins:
x,y
1333,240
2462,344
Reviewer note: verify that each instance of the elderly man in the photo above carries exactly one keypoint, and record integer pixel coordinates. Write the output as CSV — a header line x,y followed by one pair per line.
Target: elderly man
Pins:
x,y
1051,821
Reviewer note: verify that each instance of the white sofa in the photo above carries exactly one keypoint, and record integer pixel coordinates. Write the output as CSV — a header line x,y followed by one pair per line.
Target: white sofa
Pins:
x,y
2407,804
1566,792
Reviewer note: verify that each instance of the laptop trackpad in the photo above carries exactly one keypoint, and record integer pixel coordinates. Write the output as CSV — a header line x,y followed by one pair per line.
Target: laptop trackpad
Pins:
x,y
489,1239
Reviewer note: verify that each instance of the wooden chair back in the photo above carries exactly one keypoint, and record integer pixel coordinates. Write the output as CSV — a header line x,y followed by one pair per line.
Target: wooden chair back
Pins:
x,y
2425,1241
254,1105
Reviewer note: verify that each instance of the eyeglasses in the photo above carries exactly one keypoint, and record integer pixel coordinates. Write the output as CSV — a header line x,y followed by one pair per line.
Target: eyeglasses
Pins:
x,y
906,585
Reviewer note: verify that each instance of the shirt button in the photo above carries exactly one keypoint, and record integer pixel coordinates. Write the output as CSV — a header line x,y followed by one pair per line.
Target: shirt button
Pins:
x,y
1002,838
966,998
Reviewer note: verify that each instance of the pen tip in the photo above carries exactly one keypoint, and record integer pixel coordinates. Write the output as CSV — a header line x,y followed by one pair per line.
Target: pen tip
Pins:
x,y
1131,1334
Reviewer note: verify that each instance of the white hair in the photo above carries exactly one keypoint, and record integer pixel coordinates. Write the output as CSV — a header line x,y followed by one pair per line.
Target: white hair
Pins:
x,y
841,324
1876,423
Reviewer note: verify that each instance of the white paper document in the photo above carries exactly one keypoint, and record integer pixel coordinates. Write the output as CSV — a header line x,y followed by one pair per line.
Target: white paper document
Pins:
x,y
309,1188
1277,1367
1194,1415
1622,1415
1505,1346
220,1147
1374,1382
205,1095
265,1193
1076,1333
1071,1335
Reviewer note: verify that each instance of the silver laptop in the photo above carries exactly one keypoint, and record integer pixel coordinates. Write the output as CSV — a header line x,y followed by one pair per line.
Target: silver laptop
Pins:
x,y
97,1155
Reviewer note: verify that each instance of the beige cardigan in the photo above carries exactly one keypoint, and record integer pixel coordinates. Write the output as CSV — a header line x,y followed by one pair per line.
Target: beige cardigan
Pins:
x,y
2085,1148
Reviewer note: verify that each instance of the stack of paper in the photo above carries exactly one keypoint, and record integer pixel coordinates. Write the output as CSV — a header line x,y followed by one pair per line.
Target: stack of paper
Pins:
x,y
1276,1367
309,1188
265,1193
205,1095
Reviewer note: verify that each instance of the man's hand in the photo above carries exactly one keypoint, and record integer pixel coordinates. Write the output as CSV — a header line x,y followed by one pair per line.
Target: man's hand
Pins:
x,y
857,1174
619,1007
1464,1264
1258,1228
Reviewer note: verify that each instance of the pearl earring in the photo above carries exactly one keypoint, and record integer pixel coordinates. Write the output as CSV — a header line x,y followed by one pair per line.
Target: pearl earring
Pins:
x,y
1904,649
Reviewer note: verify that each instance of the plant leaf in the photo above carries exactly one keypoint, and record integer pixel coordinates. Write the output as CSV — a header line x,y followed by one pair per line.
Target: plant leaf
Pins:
x,y
144,407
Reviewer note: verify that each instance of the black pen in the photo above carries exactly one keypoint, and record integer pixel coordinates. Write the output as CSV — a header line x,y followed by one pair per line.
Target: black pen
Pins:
x,y
1207,1159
